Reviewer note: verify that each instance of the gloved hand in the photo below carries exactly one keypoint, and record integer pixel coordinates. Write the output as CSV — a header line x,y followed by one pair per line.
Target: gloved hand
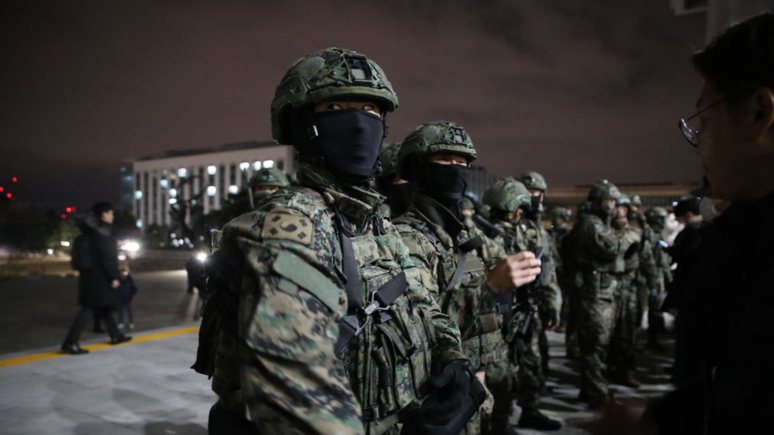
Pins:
x,y
550,318
456,396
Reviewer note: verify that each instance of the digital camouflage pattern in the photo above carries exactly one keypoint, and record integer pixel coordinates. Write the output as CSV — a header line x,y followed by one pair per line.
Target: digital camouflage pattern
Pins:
x,y
597,259
291,300
434,137
269,177
622,360
330,73
433,236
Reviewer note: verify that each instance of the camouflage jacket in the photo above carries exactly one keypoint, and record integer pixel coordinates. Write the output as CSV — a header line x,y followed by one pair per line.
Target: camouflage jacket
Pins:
x,y
434,237
596,254
527,235
662,261
291,301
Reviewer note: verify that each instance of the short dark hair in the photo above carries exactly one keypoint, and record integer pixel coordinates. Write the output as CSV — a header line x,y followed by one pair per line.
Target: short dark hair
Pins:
x,y
101,207
686,205
741,56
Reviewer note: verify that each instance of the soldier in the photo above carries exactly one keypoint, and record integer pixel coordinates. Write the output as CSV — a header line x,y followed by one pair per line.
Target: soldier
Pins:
x,y
436,157
266,181
597,249
510,202
334,332
558,230
398,191
622,358
656,218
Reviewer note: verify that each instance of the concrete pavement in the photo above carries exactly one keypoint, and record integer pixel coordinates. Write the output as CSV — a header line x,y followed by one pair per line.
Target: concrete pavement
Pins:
x,y
147,387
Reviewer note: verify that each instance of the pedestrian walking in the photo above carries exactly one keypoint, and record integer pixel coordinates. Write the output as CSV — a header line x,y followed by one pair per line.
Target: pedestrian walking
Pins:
x,y
95,256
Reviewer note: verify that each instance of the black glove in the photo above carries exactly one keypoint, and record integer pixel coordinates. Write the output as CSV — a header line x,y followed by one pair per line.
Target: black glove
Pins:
x,y
548,316
456,396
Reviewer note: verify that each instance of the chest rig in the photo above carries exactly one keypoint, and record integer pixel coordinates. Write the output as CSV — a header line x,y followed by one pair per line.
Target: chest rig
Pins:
x,y
384,341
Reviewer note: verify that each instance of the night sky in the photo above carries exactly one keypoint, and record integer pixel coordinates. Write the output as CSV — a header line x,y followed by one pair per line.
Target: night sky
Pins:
x,y
575,90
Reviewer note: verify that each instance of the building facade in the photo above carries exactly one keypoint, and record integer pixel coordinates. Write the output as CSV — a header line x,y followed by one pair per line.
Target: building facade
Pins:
x,y
157,185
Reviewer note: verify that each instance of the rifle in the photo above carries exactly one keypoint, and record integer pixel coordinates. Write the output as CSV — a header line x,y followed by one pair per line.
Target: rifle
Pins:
x,y
522,323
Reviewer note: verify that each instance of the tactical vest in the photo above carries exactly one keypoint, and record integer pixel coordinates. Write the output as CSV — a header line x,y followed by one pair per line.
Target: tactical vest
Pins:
x,y
387,355
461,274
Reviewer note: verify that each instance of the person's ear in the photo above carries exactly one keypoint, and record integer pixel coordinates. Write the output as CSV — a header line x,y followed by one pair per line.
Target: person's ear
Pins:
x,y
763,121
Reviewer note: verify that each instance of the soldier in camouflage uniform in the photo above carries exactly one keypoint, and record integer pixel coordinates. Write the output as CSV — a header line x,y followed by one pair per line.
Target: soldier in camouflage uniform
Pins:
x,y
656,218
266,181
596,248
454,258
559,229
335,331
397,190
509,202
622,359
533,367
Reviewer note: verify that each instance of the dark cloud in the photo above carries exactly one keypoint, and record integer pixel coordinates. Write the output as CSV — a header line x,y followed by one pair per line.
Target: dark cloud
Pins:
x,y
577,90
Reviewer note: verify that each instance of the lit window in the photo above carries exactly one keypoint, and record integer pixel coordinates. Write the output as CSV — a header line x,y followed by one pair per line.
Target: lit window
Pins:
x,y
139,223
256,166
173,193
212,169
182,172
173,200
164,183
212,190
233,189
138,194
244,166
268,164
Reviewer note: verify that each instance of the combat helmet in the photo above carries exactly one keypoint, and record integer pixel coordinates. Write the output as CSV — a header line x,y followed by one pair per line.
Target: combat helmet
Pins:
x,y
330,73
636,199
507,195
561,212
269,177
431,138
624,201
602,190
656,217
389,159
533,181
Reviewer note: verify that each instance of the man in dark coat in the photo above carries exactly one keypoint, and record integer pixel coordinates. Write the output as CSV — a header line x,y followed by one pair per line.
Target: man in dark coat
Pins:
x,y
723,369
98,279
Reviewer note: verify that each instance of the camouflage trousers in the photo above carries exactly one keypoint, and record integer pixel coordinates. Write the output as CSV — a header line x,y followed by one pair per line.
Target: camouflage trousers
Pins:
x,y
621,358
501,376
531,376
595,309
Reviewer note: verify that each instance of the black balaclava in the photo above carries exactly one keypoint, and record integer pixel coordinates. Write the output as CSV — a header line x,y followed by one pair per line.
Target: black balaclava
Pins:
x,y
400,197
444,183
345,142
535,209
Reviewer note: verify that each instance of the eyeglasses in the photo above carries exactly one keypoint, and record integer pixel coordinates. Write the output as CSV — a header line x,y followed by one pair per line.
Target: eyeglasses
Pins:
x,y
692,133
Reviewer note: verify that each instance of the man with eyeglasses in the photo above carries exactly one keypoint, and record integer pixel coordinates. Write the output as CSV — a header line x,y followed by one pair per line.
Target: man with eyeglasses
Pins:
x,y
723,369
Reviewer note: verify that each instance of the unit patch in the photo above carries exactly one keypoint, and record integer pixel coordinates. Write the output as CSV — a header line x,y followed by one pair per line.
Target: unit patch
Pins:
x,y
285,226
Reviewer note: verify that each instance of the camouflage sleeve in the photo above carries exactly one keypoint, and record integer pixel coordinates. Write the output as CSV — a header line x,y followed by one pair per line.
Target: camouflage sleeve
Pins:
x,y
423,291
600,239
648,266
291,379
549,294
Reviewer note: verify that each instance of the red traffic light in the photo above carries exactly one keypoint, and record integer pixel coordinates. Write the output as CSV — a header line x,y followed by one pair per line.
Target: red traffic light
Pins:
x,y
2,188
69,209
14,179
8,195
64,216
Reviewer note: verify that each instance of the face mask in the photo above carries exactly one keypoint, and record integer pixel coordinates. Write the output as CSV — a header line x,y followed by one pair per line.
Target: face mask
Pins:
x,y
707,209
400,197
350,141
444,183
535,209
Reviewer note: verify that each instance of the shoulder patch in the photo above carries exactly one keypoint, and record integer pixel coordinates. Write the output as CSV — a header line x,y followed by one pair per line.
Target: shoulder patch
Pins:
x,y
286,226
301,273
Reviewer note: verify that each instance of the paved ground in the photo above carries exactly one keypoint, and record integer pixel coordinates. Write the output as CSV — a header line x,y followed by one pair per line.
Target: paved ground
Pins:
x,y
40,311
146,387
